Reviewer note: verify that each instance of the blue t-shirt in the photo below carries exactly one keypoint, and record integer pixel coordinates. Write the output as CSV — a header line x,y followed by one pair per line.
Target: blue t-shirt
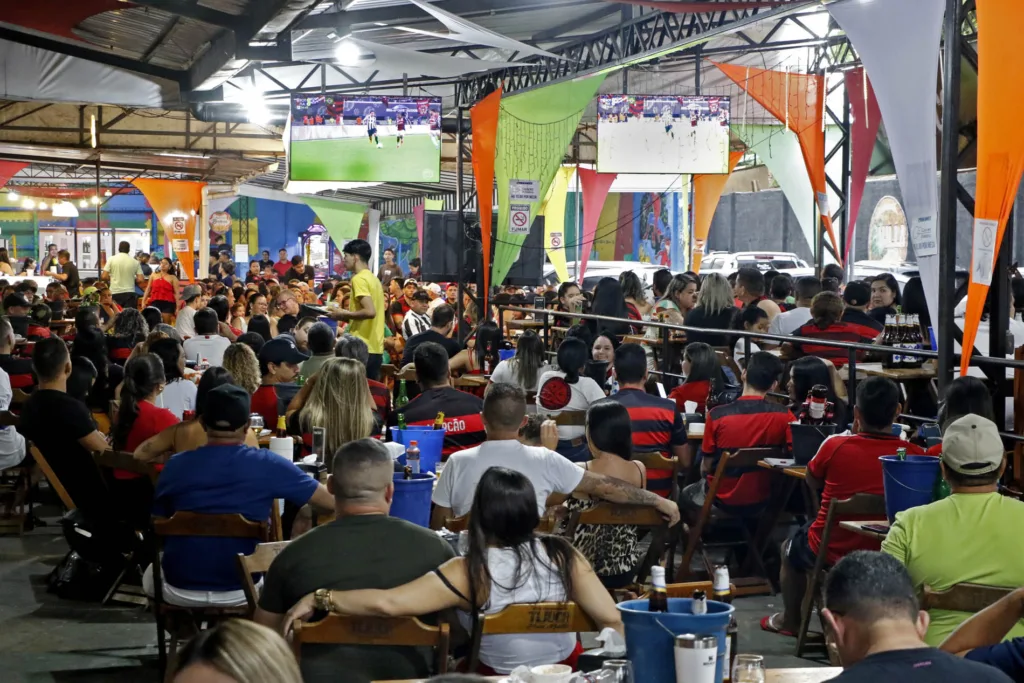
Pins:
x,y
1007,656
215,480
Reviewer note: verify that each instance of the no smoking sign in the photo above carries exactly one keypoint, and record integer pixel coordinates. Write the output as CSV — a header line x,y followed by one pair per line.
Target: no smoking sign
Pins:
x,y
519,219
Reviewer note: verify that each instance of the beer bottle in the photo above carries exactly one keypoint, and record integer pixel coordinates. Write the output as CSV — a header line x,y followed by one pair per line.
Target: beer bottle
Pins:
x,y
401,421
282,427
658,601
721,591
699,602
403,395
439,421
888,339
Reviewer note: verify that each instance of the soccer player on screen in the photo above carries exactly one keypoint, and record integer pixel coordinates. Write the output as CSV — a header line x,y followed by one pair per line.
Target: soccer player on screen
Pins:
x,y
667,120
435,128
400,125
370,119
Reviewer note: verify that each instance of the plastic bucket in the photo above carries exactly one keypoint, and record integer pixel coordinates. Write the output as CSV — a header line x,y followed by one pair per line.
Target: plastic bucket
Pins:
x,y
650,635
329,321
412,498
429,440
908,483
506,354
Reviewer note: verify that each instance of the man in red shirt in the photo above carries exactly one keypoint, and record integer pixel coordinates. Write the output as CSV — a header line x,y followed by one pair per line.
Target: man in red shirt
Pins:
x,y
844,465
752,421
283,264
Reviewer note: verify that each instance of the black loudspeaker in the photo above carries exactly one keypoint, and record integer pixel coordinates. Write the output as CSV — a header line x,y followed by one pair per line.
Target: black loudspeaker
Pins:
x,y
440,258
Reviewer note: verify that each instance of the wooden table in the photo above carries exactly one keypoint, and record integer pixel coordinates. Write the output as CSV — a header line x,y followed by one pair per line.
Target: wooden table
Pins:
x,y
795,471
524,324
925,372
858,528
807,675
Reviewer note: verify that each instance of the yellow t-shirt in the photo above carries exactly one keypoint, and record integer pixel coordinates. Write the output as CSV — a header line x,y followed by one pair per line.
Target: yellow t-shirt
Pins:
x,y
370,330
966,538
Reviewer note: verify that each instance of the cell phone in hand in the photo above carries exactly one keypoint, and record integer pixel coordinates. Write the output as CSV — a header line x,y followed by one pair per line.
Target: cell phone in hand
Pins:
x,y
661,389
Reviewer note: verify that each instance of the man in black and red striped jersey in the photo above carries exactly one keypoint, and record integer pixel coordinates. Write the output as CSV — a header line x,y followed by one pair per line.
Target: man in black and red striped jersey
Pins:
x,y
657,424
752,421
464,427
826,324
856,296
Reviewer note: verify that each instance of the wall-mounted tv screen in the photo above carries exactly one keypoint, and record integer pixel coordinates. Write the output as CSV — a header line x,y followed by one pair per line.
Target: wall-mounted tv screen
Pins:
x,y
662,134
363,138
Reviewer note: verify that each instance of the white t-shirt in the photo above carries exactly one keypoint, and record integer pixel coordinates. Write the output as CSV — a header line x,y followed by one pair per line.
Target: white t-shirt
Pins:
x,y
508,372
737,351
548,471
178,396
583,393
789,322
186,322
208,346
12,444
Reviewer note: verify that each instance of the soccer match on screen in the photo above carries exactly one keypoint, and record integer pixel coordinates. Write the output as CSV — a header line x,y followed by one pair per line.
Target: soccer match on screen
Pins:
x,y
365,138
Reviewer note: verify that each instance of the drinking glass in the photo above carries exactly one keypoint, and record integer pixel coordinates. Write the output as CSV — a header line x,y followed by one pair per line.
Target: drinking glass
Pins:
x,y
748,669
256,424
619,671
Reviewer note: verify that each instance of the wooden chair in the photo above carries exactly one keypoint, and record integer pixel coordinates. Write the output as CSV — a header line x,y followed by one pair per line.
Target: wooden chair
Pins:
x,y
611,514
408,373
257,563
183,622
742,459
51,477
18,397
456,524
387,372
336,629
963,597
533,618
123,460
859,505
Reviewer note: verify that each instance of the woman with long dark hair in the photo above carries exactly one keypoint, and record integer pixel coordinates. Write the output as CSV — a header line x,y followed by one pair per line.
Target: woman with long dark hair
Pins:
x,y
570,299
567,390
885,296
633,293
130,329
179,394
914,303
6,267
613,551
526,367
508,563
91,343
750,319
163,289
610,301
222,307
807,372
261,325
703,377
483,357
826,324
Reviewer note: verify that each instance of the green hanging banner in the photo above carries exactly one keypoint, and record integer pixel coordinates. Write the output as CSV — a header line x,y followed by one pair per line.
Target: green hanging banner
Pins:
x,y
341,219
534,130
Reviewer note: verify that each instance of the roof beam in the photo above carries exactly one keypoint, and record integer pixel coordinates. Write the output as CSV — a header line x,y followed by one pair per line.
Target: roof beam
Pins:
x,y
343,22
560,29
189,10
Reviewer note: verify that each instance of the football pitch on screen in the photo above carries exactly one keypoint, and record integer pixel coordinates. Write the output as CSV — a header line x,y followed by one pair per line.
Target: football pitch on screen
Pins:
x,y
359,160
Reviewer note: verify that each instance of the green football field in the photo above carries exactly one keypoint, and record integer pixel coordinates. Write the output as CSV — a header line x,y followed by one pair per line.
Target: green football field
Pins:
x,y
358,160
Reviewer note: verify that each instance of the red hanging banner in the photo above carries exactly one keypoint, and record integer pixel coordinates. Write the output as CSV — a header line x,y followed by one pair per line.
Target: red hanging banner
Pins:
x,y
594,187
867,118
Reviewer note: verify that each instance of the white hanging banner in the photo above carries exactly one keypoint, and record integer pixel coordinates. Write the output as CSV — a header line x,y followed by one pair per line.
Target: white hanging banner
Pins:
x,y
898,43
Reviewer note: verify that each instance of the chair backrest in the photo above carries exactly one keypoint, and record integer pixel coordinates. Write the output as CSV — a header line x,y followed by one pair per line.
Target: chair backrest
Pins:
x,y
18,397
571,418
860,504
657,461
408,373
456,524
184,523
122,460
963,597
744,458
612,514
51,477
538,617
336,629
257,563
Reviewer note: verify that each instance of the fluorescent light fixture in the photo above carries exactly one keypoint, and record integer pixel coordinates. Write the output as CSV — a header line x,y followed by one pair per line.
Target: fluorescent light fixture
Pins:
x,y
255,107
92,131
12,196
316,186
348,53
65,209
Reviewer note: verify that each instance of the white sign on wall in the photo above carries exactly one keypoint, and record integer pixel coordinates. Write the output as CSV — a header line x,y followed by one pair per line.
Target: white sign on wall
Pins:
x,y
519,219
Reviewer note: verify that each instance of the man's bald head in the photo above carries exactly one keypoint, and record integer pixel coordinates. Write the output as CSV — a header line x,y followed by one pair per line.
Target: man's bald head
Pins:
x,y
362,474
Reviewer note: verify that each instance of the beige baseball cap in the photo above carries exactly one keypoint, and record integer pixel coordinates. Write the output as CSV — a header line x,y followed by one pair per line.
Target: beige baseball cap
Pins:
x,y
971,446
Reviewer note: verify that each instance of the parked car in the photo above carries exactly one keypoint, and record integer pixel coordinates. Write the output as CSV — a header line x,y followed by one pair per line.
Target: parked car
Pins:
x,y
902,272
726,263
601,269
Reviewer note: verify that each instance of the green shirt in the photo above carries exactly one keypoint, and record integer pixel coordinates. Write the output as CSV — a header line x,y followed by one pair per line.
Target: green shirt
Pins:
x,y
966,538
370,330
123,268
365,551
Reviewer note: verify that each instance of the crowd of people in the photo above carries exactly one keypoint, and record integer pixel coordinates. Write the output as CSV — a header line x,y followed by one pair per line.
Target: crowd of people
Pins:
x,y
175,373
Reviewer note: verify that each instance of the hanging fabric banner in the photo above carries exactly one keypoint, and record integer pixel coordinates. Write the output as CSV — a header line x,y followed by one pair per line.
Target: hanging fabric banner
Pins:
x,y
1000,151
864,124
341,219
553,211
8,169
594,187
898,43
534,131
798,100
484,116
177,204
707,190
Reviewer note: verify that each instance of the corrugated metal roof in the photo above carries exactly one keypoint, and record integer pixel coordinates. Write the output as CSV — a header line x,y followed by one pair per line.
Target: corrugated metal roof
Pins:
x,y
134,32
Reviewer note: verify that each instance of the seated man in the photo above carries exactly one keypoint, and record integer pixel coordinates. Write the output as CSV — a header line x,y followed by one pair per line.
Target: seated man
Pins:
x,y
39,323
872,611
504,414
17,308
752,421
361,482
844,465
442,322
857,296
223,477
463,425
206,343
973,536
279,363
19,369
657,424
983,637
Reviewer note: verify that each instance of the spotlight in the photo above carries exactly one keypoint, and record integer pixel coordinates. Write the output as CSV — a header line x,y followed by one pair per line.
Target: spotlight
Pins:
x,y
28,204
348,53
108,193
255,108
82,204
95,199
12,196
42,206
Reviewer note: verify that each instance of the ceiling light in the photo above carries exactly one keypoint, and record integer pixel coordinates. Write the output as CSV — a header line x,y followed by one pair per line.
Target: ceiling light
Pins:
x,y
65,209
94,199
28,204
42,206
82,203
12,196
108,193
255,108
348,53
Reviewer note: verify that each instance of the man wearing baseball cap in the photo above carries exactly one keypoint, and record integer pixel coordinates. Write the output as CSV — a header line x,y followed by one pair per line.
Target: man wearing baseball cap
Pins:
x,y
974,535
185,323
856,296
223,477
279,362
416,320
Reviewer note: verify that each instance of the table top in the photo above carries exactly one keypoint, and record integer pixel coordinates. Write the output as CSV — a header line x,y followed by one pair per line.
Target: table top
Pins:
x,y
858,527
807,675
524,324
795,471
926,371
695,435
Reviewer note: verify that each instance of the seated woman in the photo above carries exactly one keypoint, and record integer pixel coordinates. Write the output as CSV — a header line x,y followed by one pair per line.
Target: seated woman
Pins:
x,y
714,310
613,551
526,367
179,394
241,361
565,390
609,300
809,371
91,343
826,323
507,564
341,403
483,357
750,319
130,328
680,298
964,396
703,376
237,651
603,351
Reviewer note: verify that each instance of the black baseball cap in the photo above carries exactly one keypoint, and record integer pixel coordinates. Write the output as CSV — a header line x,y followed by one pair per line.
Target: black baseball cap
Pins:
x,y
16,299
857,294
282,349
227,408
420,295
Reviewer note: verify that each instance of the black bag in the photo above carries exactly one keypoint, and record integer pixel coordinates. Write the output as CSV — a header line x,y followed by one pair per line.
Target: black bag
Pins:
x,y
78,579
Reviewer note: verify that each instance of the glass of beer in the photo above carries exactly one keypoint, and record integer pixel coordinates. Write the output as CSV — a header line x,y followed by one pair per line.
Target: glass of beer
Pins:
x,y
256,424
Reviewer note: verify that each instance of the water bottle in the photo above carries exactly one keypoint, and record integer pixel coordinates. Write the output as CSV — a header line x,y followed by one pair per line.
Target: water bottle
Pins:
x,y
412,457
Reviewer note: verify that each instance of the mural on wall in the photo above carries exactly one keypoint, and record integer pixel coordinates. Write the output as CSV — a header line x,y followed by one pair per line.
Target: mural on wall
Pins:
x,y
636,226
338,264
398,234
887,233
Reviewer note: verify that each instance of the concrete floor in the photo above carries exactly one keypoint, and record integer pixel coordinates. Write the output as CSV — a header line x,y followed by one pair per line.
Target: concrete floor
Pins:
x,y
43,638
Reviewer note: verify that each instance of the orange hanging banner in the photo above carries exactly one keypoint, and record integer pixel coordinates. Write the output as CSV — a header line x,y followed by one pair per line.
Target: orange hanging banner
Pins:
x,y
177,204
798,100
484,117
1000,151
707,190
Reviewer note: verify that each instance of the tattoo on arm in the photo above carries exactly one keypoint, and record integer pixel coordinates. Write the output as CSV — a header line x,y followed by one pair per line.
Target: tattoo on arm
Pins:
x,y
615,490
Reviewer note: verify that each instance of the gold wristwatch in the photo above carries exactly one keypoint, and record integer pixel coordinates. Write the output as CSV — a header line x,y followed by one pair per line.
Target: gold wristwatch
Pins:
x,y
322,600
